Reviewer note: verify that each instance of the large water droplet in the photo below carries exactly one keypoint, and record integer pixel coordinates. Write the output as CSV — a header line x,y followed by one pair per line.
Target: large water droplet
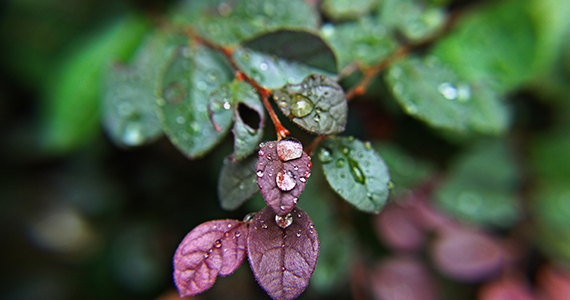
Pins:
x,y
289,149
356,171
325,155
249,217
285,221
259,173
218,244
263,66
285,180
301,106
447,90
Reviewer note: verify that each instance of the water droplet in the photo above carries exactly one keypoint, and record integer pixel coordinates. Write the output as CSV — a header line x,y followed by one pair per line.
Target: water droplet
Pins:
x,y
285,180
299,233
283,269
212,75
249,217
264,226
180,120
303,179
447,90
345,150
259,173
225,9
201,85
226,234
356,171
289,149
391,184
295,200
260,152
263,66
327,29
206,255
340,162
295,167
218,244
237,234
226,105
285,221
174,93
241,186
271,145
301,106
282,207
229,225
298,215
368,145
317,118
132,136
325,155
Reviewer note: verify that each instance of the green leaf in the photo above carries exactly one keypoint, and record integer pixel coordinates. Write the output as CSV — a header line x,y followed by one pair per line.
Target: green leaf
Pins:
x,y
414,19
317,104
229,22
348,9
365,41
70,112
356,172
128,105
435,94
237,182
285,56
231,96
551,215
496,42
550,155
481,186
190,76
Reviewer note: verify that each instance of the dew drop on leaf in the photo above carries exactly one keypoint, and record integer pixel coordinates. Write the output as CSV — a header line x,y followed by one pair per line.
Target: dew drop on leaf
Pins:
x,y
284,221
259,173
325,155
340,162
285,180
356,172
289,149
301,106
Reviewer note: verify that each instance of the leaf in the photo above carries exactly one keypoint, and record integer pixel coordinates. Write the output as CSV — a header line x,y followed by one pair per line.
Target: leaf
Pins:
x,y
285,56
428,90
191,75
348,9
70,110
128,104
403,278
495,43
317,104
282,257
366,41
356,172
237,182
412,18
481,186
282,172
212,248
229,22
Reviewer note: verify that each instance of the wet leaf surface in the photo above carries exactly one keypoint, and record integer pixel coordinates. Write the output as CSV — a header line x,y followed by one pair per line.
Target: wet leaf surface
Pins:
x,y
481,186
129,105
229,22
366,41
317,104
285,56
282,259
430,91
356,172
192,74
348,9
415,19
212,248
281,182
237,182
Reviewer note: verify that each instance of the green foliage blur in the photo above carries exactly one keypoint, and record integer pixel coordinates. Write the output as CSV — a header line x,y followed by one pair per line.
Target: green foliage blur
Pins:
x,y
473,124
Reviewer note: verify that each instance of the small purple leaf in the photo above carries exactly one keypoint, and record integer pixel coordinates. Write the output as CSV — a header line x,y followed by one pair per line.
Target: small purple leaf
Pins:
x,y
212,248
282,252
282,171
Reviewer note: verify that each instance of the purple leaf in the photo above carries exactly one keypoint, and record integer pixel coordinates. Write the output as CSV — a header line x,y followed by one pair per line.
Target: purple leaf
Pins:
x,y
282,171
282,252
212,248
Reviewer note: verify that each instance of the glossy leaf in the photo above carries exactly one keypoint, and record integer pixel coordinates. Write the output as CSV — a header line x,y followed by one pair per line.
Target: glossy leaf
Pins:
x,y
317,104
428,90
348,9
212,248
282,259
281,181
494,43
366,41
285,56
414,19
129,105
237,182
70,112
356,172
229,22
190,76
481,186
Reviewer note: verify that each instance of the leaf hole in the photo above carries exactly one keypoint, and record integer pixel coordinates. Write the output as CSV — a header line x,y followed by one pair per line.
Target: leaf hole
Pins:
x,y
249,116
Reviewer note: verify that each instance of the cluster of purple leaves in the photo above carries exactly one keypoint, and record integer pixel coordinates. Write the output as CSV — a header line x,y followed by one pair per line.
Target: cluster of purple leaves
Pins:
x,y
280,241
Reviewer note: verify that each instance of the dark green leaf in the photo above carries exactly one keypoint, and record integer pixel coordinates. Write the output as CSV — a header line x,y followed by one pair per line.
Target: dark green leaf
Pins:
x,y
237,182
317,104
356,172
550,155
413,18
495,43
229,22
435,94
285,56
481,186
70,113
348,9
191,75
365,41
129,105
